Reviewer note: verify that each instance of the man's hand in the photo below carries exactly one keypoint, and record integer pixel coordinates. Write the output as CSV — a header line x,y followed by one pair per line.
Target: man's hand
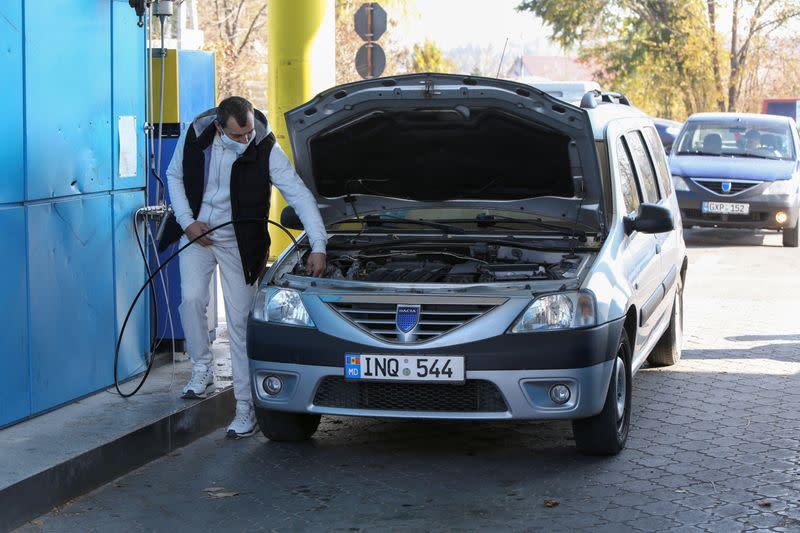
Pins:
x,y
195,229
316,264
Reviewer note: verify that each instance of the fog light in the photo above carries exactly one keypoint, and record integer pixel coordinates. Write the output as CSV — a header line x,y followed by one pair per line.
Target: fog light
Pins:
x,y
781,217
273,385
559,394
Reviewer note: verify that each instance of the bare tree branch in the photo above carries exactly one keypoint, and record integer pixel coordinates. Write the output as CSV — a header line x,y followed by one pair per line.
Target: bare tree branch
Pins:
x,y
250,29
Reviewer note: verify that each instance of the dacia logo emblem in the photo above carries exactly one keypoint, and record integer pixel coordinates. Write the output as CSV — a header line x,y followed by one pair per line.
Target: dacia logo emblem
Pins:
x,y
727,186
407,317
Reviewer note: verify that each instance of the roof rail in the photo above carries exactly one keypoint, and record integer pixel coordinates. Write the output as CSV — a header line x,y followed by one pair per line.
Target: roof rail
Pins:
x,y
590,99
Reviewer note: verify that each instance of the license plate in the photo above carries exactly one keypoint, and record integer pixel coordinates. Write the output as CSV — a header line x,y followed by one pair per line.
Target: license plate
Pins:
x,y
368,367
726,208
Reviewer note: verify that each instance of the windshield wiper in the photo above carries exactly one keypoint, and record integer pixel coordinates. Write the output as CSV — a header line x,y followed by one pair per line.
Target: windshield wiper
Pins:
x,y
697,152
380,220
756,156
492,220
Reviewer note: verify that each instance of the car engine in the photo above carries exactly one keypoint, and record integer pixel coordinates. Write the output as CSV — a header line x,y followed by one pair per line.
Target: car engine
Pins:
x,y
453,264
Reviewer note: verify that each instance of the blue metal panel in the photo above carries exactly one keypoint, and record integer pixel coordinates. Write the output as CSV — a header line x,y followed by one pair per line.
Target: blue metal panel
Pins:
x,y
68,94
129,276
14,360
70,250
196,83
128,68
12,175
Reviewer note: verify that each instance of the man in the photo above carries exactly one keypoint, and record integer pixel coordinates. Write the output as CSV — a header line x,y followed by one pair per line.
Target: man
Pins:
x,y
752,141
223,168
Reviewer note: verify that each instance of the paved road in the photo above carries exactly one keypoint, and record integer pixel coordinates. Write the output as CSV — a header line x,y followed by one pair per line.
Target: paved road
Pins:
x,y
715,444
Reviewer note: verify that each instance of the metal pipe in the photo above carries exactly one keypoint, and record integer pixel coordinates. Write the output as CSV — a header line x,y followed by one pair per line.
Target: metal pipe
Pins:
x,y
300,46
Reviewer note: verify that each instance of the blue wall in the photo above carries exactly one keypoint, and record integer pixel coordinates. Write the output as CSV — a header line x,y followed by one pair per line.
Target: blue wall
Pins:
x,y
69,68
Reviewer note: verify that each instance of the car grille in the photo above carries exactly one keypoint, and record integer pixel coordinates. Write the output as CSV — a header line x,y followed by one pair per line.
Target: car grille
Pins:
x,y
474,396
696,213
737,187
435,319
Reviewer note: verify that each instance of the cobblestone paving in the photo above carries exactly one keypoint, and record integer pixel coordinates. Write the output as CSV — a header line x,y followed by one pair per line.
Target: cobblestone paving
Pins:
x,y
714,445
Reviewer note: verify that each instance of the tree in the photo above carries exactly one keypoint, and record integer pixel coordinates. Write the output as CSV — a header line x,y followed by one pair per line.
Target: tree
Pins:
x,y
668,53
234,31
649,49
763,18
427,57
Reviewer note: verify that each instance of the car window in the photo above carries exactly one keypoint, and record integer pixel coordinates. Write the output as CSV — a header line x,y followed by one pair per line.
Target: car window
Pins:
x,y
738,137
644,166
662,170
627,179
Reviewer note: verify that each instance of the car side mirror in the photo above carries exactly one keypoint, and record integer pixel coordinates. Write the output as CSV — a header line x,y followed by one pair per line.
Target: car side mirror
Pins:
x,y
290,219
650,218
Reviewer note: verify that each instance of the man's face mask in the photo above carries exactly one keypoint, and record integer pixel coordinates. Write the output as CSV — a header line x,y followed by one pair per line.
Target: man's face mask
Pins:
x,y
236,147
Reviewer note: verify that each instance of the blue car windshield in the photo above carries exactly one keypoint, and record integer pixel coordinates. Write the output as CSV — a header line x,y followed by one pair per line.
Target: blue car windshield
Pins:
x,y
741,137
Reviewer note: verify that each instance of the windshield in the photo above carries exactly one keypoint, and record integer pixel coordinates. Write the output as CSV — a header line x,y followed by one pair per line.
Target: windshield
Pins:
x,y
741,137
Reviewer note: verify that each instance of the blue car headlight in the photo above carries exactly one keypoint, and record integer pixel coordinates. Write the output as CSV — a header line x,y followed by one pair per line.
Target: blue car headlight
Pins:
x,y
782,187
563,310
281,306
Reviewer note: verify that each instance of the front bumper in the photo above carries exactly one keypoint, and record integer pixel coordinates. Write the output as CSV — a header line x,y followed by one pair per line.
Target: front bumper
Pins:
x,y
763,209
508,376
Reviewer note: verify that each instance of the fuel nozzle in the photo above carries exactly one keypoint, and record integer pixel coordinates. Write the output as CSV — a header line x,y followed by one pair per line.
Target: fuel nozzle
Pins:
x,y
139,7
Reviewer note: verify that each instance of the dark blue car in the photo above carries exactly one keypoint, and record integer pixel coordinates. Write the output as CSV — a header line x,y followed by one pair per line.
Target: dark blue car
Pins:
x,y
738,170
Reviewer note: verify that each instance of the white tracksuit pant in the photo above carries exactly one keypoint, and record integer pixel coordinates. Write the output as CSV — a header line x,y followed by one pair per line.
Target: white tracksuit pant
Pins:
x,y
197,264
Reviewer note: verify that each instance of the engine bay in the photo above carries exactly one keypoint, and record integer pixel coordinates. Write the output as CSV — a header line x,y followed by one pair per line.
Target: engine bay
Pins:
x,y
456,263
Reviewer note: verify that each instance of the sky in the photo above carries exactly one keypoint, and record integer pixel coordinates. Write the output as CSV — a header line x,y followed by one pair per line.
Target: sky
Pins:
x,y
456,23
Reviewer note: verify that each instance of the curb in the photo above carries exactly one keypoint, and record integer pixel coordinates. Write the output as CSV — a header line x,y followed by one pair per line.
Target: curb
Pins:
x,y
38,494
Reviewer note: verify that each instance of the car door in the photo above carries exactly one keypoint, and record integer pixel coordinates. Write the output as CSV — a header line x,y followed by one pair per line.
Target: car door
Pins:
x,y
641,261
671,243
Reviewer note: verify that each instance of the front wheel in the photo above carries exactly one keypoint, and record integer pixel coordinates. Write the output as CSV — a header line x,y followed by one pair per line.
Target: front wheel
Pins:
x,y
607,432
790,236
280,426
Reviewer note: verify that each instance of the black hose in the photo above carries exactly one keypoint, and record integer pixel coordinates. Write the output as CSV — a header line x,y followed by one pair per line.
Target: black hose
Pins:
x,y
152,292
150,280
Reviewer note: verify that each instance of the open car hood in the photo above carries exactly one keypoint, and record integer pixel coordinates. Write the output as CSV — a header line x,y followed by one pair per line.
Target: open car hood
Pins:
x,y
442,140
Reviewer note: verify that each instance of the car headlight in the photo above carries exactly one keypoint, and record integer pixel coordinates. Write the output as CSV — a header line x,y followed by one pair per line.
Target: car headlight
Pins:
x,y
679,182
563,310
781,187
281,306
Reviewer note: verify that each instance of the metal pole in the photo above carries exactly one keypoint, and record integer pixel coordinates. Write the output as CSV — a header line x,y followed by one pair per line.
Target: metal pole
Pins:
x,y
369,41
300,50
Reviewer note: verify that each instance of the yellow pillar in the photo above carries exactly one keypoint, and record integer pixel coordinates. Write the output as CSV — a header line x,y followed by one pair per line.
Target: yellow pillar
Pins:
x,y
302,63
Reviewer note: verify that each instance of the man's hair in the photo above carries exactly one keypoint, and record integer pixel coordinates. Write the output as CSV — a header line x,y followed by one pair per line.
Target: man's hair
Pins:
x,y
752,135
236,107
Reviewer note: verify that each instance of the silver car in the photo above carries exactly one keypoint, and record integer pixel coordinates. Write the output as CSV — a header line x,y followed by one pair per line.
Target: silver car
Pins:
x,y
494,254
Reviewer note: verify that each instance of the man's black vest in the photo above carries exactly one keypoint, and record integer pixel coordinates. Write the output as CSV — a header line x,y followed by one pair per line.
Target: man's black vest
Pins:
x,y
250,189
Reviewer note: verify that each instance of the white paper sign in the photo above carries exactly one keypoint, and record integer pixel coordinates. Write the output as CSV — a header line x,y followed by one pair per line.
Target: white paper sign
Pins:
x,y
127,146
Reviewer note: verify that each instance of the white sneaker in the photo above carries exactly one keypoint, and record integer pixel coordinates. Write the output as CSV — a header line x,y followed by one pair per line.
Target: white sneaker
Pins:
x,y
202,379
244,423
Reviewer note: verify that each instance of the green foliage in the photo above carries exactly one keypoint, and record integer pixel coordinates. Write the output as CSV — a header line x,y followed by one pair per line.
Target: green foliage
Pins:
x,y
657,51
427,57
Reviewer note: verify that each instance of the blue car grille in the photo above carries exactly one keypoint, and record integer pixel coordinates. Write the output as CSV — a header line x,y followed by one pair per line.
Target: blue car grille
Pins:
x,y
736,187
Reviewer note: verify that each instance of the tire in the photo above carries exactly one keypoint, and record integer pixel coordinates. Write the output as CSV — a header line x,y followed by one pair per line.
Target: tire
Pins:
x,y
607,432
279,426
667,351
790,236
